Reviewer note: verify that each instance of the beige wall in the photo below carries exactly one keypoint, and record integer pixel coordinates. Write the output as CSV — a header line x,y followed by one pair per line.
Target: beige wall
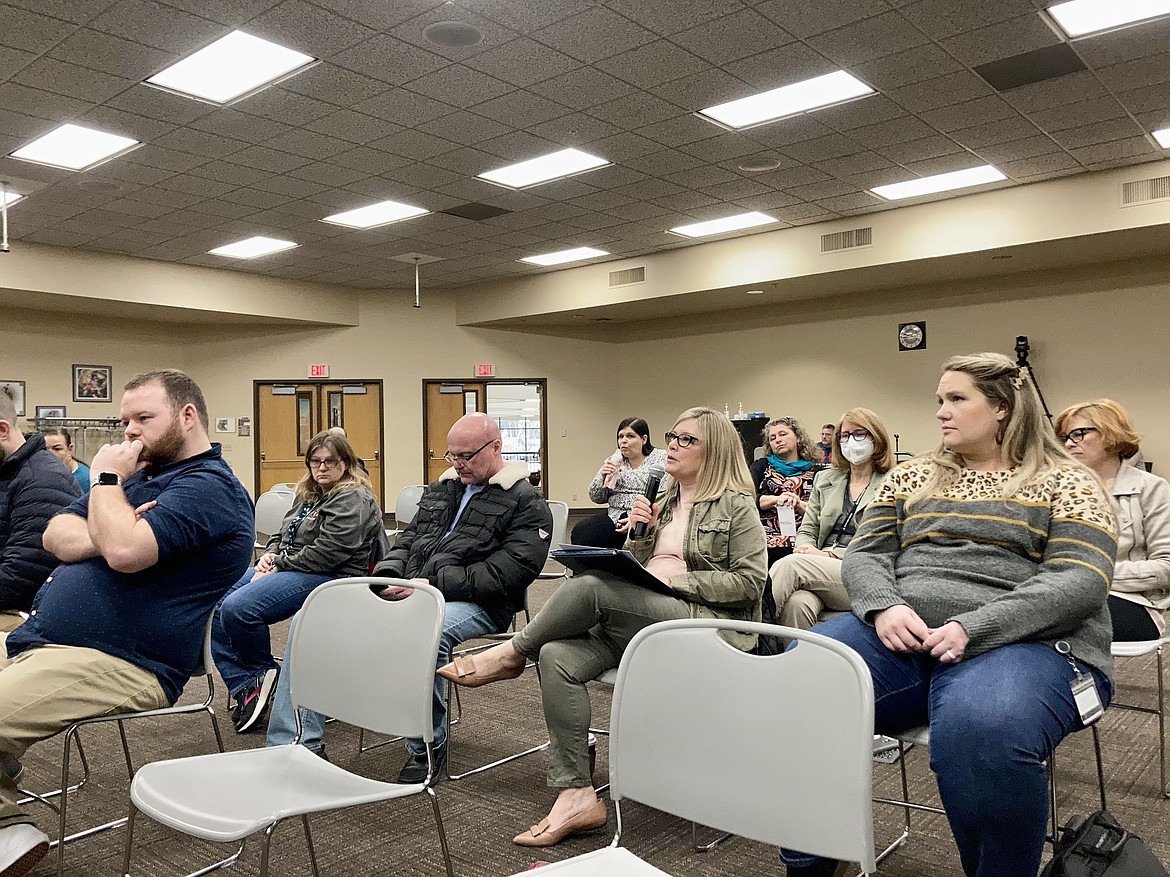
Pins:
x,y
1085,344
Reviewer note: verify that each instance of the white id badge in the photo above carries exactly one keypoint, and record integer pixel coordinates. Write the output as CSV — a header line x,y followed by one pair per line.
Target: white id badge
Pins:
x,y
1084,692
786,519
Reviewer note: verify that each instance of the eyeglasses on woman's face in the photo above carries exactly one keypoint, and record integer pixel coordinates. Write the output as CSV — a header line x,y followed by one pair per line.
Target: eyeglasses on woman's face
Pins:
x,y
858,434
682,439
324,462
464,459
1076,436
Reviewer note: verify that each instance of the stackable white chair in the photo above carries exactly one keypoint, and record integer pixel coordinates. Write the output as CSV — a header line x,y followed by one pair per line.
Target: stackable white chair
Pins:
x,y
560,518
71,736
271,507
405,508
682,693
1137,650
365,660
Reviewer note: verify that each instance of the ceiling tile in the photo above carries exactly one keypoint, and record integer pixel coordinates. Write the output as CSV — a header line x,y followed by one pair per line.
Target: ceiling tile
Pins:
x,y
804,20
226,172
1153,69
732,37
940,19
721,147
112,55
991,133
867,39
1139,148
63,78
41,104
791,130
701,90
634,110
351,127
157,25
25,29
74,11
154,103
127,124
1097,132
582,88
593,34
653,64
414,31
520,109
309,29
1102,109
822,148
1003,40
1039,164
852,165
333,85
370,161
327,174
661,164
904,68
942,91
679,131
459,86
166,159
194,185
307,144
918,150
1014,150
12,61
265,159
389,60
992,108
284,106
413,144
200,143
233,12
227,122
859,113
403,107
530,16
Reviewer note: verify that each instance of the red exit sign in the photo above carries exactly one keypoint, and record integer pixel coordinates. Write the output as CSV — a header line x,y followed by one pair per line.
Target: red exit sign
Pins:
x,y
319,371
485,370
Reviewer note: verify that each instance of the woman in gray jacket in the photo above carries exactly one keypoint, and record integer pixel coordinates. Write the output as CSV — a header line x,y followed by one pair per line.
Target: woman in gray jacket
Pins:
x,y
329,533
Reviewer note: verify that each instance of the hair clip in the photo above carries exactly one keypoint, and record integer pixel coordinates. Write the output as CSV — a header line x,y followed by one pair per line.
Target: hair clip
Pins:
x,y
1018,380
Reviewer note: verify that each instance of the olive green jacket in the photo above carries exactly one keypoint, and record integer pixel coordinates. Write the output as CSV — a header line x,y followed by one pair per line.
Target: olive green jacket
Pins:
x,y
727,561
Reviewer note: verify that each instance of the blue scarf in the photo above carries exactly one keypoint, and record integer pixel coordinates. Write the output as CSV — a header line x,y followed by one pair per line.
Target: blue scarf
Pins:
x,y
789,470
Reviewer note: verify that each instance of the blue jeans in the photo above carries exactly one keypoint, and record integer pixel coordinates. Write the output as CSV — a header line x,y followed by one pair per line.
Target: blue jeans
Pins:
x,y
994,720
461,622
240,642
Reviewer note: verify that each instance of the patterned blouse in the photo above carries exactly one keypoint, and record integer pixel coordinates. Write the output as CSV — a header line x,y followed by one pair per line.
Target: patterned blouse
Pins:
x,y
630,483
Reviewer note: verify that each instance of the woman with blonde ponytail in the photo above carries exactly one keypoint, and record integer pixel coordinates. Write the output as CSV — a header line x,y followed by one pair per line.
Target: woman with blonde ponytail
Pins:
x,y
971,566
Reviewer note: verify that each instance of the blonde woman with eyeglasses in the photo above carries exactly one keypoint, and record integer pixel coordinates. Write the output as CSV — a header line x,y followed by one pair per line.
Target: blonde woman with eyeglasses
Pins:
x,y
1101,435
329,533
703,541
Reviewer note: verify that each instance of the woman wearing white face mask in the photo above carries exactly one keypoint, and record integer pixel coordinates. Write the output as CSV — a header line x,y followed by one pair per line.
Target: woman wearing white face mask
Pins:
x,y
809,579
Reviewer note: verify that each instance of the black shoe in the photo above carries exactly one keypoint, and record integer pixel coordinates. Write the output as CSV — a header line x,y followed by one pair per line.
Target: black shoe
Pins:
x,y
12,767
822,868
253,701
415,769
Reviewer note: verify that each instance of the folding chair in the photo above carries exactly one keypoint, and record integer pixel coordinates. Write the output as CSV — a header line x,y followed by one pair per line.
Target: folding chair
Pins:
x,y
1140,649
271,507
365,660
405,508
205,668
682,693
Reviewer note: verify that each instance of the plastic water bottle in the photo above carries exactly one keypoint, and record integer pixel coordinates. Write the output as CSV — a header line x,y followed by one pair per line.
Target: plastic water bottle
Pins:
x,y
612,477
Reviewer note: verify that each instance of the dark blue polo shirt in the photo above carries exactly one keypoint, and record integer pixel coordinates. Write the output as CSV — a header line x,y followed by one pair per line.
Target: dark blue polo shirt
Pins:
x,y
205,527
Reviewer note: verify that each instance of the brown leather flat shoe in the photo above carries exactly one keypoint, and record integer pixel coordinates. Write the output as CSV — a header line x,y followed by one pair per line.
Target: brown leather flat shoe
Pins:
x,y
540,835
462,671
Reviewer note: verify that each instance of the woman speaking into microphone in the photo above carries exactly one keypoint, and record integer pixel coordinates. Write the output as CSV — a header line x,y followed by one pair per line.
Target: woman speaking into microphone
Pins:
x,y
703,540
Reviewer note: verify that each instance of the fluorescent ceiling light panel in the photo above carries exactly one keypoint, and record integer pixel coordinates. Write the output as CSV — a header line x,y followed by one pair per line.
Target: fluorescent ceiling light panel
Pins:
x,y
821,91
252,247
718,226
975,176
1163,138
231,67
1078,18
543,168
382,213
74,148
563,256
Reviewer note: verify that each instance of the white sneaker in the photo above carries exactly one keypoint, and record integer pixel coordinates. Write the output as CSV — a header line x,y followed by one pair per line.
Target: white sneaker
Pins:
x,y
21,848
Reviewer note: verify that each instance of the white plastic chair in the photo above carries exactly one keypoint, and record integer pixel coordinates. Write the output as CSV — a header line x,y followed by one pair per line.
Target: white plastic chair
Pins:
x,y
365,660
405,508
71,735
560,518
1140,649
682,693
271,507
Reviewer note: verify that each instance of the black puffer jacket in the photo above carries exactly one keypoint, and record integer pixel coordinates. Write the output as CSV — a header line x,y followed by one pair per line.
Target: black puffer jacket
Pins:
x,y
498,546
34,486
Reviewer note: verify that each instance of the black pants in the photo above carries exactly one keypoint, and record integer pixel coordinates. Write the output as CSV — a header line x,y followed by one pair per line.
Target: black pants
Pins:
x,y
1131,621
598,531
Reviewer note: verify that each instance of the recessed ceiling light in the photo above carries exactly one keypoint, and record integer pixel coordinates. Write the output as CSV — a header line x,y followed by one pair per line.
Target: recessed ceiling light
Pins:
x,y
252,247
75,148
799,97
381,213
575,255
759,165
1078,18
231,67
727,223
755,292
974,176
543,168
453,34
1163,138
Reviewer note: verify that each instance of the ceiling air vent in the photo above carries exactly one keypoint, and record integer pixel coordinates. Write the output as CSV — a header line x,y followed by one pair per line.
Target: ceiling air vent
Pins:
x,y
852,239
1145,191
627,277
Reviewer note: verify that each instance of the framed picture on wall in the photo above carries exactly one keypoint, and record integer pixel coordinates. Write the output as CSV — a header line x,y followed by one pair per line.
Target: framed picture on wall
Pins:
x,y
50,411
15,389
92,383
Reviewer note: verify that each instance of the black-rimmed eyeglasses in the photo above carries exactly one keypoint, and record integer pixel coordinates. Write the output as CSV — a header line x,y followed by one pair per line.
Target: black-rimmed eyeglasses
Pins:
x,y
1076,436
684,440
857,434
456,459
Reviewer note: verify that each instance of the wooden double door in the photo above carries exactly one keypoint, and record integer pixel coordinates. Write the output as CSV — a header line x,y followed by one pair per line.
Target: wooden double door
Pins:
x,y
289,414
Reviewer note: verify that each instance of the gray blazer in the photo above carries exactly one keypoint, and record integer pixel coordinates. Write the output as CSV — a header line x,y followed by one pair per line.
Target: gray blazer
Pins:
x,y
825,504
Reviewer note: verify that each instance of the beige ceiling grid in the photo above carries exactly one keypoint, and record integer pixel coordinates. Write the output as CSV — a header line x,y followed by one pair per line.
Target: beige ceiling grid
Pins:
x,y
389,115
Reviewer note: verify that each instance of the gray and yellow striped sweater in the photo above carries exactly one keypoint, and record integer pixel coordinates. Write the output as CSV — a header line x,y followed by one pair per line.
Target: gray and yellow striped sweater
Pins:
x,y
1033,568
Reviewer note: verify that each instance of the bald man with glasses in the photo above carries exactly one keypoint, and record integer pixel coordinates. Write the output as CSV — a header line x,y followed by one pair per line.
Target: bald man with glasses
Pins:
x,y
481,536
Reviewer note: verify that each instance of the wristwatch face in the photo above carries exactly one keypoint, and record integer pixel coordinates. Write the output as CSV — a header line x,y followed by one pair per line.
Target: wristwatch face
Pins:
x,y
108,478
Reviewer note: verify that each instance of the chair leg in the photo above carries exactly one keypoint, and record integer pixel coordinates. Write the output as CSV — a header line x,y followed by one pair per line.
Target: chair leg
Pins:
x,y
215,726
430,792
1100,766
710,845
266,849
1162,722
904,804
309,842
1052,798
129,839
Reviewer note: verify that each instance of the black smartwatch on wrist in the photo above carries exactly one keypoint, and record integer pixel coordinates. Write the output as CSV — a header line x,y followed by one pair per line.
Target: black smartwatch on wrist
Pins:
x,y
100,479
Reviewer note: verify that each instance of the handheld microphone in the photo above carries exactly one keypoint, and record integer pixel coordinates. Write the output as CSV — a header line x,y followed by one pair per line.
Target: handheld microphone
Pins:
x,y
652,483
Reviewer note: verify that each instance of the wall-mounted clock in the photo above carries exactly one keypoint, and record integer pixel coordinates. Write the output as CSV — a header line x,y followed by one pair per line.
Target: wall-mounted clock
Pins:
x,y
912,336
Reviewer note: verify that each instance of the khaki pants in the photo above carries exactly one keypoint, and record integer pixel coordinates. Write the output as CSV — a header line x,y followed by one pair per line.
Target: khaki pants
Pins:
x,y
9,621
576,636
803,585
46,689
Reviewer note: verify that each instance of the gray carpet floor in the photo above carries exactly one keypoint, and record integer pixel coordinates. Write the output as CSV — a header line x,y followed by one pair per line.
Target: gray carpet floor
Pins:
x,y
482,813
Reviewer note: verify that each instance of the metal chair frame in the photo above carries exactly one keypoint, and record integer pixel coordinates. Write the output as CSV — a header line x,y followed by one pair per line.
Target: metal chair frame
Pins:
x,y
1137,650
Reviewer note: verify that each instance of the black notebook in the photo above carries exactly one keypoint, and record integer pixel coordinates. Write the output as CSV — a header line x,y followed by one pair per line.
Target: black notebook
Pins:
x,y
618,562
